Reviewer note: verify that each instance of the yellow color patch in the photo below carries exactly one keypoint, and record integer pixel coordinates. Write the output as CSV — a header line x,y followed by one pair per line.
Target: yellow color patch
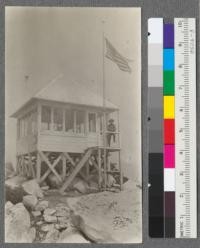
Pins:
x,y
169,111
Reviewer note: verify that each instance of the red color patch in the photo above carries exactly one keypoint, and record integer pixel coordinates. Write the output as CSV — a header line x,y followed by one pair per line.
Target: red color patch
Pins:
x,y
169,131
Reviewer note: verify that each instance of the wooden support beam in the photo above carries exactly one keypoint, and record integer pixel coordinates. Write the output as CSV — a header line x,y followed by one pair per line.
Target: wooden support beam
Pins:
x,y
69,158
38,167
87,170
43,157
121,172
76,170
22,166
64,167
99,168
74,165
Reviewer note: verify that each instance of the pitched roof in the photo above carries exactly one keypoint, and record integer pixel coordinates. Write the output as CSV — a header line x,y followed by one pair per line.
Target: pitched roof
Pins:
x,y
64,90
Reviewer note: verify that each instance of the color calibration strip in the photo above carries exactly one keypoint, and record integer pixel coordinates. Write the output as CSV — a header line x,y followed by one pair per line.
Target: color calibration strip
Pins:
x,y
169,126
171,101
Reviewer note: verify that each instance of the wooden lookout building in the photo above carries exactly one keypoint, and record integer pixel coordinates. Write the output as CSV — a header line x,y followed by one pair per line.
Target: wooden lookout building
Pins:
x,y
62,131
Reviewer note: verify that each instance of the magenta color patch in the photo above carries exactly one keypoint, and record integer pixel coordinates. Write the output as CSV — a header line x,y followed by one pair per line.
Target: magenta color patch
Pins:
x,y
169,156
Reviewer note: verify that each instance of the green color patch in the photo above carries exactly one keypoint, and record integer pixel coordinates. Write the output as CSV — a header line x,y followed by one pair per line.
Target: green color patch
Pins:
x,y
168,85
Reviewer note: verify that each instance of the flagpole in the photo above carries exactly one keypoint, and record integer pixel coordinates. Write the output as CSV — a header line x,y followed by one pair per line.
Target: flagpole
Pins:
x,y
104,110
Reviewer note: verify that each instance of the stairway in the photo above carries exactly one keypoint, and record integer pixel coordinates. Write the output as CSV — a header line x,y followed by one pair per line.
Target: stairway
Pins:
x,y
76,170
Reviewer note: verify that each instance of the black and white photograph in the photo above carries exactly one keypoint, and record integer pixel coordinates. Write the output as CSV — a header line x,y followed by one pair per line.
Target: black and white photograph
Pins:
x,y
73,170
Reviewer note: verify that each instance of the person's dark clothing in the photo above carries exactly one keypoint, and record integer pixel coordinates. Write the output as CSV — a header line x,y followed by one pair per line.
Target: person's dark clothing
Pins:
x,y
111,128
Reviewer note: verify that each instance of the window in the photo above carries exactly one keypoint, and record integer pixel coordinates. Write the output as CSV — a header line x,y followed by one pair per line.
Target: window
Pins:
x,y
57,119
69,120
46,118
33,122
92,122
80,121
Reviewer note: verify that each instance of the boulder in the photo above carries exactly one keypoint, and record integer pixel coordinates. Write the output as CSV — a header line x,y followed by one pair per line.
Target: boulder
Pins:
x,y
63,220
13,189
9,171
81,186
47,227
53,182
61,226
31,187
62,210
94,234
30,201
42,205
71,236
18,226
110,181
49,211
50,218
36,213
8,206
39,223
52,236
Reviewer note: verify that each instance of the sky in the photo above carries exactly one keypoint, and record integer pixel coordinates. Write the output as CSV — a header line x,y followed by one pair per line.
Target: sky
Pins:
x,y
43,42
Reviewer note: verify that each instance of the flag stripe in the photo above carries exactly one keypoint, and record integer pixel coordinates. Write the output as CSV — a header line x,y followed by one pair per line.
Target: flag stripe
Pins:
x,y
125,66
116,57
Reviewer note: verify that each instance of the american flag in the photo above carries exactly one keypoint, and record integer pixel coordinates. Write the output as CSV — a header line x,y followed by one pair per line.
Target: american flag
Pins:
x,y
116,57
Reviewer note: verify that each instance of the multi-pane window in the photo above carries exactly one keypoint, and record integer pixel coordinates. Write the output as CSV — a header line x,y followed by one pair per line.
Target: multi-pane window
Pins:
x,y
33,122
80,121
57,119
92,122
27,125
46,118
69,120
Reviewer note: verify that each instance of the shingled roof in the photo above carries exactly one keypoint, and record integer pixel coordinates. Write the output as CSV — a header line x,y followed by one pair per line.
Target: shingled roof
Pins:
x,y
64,90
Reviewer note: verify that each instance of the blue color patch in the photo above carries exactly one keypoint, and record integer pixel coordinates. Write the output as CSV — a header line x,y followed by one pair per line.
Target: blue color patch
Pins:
x,y
168,59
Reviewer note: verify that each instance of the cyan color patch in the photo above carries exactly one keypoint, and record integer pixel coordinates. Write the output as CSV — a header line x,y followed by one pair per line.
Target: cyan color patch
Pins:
x,y
168,59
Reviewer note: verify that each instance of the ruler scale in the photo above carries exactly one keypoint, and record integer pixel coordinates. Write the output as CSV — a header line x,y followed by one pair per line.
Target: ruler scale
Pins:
x,y
185,111
172,128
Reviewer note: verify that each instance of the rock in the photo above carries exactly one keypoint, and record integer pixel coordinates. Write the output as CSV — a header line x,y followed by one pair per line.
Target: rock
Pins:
x,y
30,201
62,213
8,206
81,186
42,205
53,181
71,236
47,227
110,181
64,219
17,225
62,210
49,211
50,218
45,188
31,187
39,223
13,189
52,236
93,234
9,171
61,226
36,213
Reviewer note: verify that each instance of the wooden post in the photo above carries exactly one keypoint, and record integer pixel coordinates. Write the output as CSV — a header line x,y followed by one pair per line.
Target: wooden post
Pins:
x,y
99,165
38,167
22,165
121,172
64,166
87,170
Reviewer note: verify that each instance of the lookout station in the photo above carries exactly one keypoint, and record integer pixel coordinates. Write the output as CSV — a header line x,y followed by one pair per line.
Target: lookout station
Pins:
x,y
63,130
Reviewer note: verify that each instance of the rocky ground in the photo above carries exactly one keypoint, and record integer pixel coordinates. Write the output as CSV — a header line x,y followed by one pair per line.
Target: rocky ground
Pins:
x,y
34,214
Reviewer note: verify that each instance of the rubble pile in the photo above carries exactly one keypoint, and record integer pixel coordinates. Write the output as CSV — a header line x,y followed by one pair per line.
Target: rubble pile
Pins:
x,y
36,215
